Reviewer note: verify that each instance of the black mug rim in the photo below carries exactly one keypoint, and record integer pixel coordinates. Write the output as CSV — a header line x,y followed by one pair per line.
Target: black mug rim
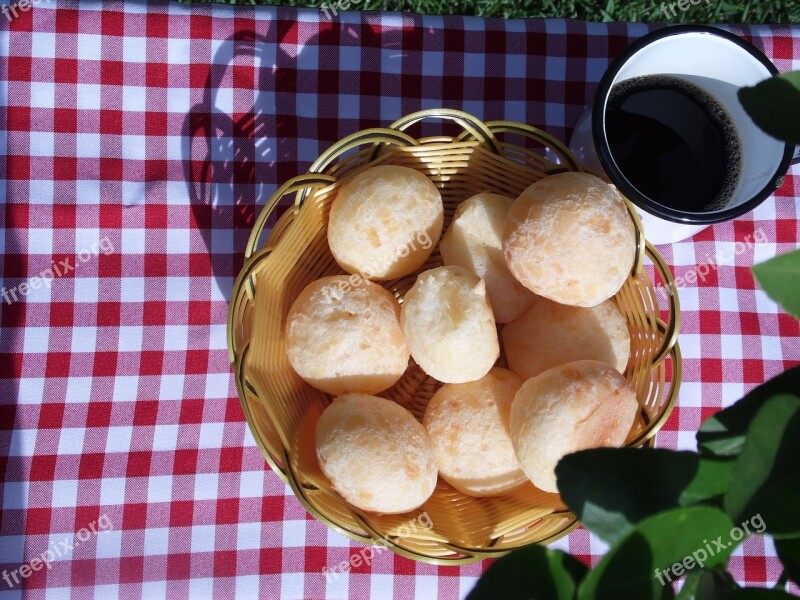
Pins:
x,y
616,176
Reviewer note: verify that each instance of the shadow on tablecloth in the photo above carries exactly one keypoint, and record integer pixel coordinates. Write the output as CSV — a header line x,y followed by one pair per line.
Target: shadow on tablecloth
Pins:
x,y
235,156
237,148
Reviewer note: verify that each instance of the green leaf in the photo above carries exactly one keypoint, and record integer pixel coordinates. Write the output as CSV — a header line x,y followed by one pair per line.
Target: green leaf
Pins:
x,y
780,278
636,567
612,489
762,594
774,105
531,573
766,481
723,434
708,584
789,553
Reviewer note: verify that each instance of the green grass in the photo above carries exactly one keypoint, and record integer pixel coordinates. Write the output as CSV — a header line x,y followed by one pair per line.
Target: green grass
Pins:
x,y
707,11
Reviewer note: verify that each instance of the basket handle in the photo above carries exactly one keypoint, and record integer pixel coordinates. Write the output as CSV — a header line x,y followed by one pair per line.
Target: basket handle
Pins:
x,y
534,133
644,248
376,135
472,126
641,242
672,326
300,184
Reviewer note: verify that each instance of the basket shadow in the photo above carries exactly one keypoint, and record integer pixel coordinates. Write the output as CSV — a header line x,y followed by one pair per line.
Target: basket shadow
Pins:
x,y
246,137
15,458
225,158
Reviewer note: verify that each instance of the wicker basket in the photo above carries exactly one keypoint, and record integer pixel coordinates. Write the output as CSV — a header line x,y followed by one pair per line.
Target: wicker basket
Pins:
x,y
282,410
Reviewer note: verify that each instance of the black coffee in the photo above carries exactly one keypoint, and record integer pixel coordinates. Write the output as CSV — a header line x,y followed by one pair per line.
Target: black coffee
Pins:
x,y
674,142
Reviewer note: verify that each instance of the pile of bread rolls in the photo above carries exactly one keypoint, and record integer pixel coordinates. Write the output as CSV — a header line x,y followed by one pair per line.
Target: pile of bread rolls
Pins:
x,y
542,269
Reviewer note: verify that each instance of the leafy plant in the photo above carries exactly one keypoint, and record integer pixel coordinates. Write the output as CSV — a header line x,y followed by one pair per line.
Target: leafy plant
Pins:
x,y
780,277
774,105
667,514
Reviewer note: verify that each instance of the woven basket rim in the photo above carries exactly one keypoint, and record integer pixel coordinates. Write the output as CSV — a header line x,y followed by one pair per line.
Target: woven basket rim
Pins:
x,y
475,133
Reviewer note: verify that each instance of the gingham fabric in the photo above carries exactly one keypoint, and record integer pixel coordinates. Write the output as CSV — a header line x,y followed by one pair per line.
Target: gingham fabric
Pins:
x,y
140,140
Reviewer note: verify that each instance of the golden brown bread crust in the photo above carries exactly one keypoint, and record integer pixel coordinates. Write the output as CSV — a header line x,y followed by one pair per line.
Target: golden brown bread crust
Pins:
x,y
469,430
569,237
552,334
580,405
343,338
448,325
385,222
376,454
474,241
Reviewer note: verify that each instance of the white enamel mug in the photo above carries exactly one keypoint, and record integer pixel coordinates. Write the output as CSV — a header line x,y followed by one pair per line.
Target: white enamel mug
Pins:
x,y
720,63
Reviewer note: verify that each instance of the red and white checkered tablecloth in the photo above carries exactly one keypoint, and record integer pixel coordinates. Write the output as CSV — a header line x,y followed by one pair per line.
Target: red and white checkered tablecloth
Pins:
x,y
140,139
